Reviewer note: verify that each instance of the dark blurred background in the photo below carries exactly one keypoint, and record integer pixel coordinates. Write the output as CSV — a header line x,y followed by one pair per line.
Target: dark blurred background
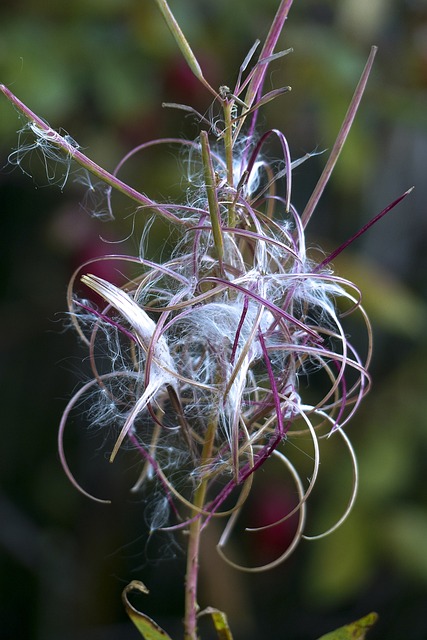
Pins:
x,y
100,69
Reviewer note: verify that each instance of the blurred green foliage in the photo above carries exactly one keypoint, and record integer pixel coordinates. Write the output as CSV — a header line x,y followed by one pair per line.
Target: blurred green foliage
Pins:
x,y
100,69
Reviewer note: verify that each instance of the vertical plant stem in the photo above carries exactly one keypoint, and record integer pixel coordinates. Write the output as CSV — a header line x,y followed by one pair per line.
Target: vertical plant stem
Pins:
x,y
191,606
210,185
228,149
257,80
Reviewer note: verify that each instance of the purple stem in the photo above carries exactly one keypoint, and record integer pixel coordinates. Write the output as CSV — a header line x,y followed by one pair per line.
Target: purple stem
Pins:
x,y
56,139
287,157
361,231
277,311
267,50
132,437
239,329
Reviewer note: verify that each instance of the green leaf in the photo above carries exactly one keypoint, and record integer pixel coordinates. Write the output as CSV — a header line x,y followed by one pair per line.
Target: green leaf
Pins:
x,y
353,631
220,622
149,629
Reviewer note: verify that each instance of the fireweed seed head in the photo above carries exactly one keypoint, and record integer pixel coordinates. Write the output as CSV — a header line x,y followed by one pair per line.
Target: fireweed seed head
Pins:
x,y
201,361
200,346
215,341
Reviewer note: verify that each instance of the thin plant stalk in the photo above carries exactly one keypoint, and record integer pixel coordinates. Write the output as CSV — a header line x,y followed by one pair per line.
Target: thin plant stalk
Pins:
x,y
52,137
195,527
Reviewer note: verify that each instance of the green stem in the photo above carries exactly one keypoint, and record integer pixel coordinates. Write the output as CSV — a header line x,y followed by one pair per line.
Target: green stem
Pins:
x,y
191,606
228,149
213,204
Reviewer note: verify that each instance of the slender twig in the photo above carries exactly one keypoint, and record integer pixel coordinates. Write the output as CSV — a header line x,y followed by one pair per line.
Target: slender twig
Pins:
x,y
191,606
56,139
